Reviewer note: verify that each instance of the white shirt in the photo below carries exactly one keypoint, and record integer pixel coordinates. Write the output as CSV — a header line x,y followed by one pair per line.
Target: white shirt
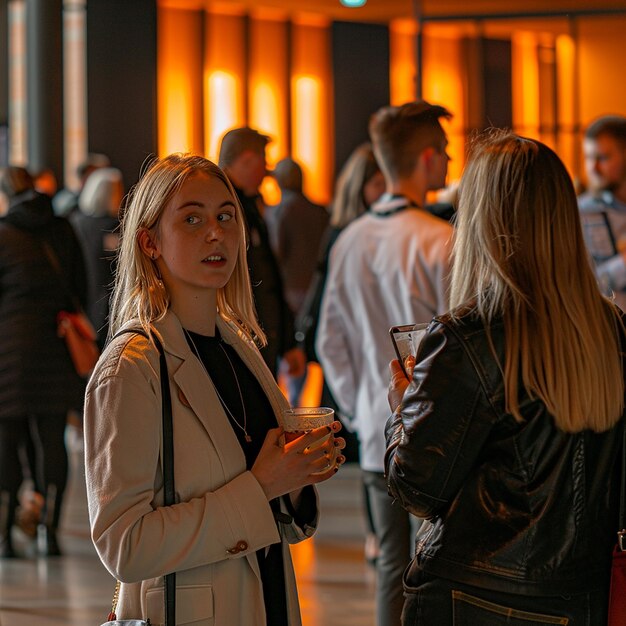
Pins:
x,y
387,268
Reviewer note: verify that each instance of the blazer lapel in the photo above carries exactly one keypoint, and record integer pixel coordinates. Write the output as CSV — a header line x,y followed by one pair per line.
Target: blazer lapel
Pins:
x,y
200,395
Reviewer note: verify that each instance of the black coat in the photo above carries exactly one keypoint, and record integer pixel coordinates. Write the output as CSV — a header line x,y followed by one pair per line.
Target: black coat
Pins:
x,y
99,236
274,314
36,372
516,507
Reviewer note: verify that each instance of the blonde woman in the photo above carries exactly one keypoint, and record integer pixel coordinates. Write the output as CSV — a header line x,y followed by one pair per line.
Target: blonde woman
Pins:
x,y
508,437
182,277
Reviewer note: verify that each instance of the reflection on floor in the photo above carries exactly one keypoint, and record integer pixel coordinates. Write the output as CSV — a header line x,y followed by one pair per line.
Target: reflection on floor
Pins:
x,y
335,584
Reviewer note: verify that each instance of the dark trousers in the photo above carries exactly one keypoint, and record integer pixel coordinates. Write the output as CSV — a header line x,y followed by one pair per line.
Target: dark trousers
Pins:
x,y
44,435
436,601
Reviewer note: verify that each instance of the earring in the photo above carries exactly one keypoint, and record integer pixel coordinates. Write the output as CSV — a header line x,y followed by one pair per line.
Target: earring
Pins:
x,y
152,255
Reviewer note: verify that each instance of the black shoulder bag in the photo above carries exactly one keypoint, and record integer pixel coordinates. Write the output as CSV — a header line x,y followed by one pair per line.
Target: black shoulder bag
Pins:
x,y
168,488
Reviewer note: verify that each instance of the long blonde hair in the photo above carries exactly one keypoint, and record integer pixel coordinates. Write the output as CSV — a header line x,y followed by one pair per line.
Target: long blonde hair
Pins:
x,y
519,255
349,201
139,293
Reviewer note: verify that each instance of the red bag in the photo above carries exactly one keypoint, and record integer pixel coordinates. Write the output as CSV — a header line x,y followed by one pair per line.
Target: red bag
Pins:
x,y
617,594
80,339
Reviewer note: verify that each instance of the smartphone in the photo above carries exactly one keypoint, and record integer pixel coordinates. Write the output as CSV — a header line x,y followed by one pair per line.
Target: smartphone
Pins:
x,y
406,339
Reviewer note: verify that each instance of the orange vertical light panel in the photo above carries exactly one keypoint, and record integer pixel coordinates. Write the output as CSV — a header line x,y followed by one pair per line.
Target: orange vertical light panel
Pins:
x,y
443,85
525,65
224,73
179,81
268,84
311,108
566,93
403,61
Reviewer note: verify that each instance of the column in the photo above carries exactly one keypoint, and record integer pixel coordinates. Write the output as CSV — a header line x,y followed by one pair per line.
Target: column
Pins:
x,y
44,35
4,83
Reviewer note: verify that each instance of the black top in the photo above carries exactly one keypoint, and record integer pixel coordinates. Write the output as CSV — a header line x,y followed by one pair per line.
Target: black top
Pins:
x,y
260,419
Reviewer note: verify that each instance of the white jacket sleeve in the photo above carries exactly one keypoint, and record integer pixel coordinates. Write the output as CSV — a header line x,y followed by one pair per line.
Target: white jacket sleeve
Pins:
x,y
333,348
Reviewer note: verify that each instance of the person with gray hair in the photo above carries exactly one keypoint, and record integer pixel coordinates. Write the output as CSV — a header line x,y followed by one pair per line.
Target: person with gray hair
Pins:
x,y
296,228
97,227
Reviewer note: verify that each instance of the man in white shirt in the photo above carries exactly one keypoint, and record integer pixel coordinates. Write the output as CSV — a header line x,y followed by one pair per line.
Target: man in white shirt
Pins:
x,y
388,267
603,207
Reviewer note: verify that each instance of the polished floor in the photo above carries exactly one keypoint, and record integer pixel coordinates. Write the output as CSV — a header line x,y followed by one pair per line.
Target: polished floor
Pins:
x,y
335,584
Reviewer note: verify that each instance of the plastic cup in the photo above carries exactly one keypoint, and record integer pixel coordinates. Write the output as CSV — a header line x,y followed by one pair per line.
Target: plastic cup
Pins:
x,y
301,420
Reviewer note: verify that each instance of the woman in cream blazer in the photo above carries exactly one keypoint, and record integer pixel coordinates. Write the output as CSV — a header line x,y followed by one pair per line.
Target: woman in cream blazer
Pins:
x,y
222,515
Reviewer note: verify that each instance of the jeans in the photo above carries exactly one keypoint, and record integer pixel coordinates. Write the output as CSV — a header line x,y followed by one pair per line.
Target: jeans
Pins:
x,y
431,601
395,530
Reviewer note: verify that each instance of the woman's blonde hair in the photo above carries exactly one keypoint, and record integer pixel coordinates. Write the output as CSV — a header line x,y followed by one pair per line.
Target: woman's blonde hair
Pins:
x,y
139,292
519,255
349,201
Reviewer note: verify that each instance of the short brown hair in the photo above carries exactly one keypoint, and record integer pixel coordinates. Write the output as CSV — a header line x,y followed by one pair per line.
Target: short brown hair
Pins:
x,y
237,140
400,133
612,125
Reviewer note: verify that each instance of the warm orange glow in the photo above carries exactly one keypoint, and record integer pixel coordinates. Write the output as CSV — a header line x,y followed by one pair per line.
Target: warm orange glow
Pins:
x,y
268,89
525,62
303,556
311,111
312,392
223,92
224,71
306,126
403,61
179,81
566,90
443,85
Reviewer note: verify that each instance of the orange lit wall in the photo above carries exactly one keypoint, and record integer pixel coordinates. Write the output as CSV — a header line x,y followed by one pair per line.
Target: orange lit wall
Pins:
x,y
602,52
179,81
223,78
403,61
311,108
268,89
567,141
525,84
443,84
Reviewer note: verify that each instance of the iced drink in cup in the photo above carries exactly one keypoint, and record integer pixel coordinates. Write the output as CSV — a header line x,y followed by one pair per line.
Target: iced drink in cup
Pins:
x,y
300,420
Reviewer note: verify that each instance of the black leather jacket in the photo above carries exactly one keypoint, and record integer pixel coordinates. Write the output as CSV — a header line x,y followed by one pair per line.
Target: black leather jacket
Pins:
x,y
515,507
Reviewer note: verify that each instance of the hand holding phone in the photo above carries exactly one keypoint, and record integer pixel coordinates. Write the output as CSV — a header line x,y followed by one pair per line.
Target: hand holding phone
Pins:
x,y
406,340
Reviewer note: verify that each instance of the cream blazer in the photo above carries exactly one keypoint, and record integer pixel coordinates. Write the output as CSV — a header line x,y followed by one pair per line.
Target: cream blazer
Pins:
x,y
222,516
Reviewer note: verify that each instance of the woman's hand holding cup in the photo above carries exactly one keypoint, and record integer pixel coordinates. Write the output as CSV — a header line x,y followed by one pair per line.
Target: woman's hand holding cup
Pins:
x,y
303,452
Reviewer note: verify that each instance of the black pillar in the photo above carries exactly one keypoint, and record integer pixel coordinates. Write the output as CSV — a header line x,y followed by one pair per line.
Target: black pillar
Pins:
x,y
4,83
121,82
44,84
361,81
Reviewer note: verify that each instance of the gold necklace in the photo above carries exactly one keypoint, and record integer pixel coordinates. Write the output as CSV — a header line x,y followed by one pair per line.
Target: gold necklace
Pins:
x,y
243,428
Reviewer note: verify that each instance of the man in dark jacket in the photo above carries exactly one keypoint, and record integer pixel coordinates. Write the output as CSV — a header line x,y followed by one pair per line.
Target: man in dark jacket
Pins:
x,y
242,157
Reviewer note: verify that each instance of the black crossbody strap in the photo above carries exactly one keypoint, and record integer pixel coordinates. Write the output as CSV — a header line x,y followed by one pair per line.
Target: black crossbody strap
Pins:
x,y
168,464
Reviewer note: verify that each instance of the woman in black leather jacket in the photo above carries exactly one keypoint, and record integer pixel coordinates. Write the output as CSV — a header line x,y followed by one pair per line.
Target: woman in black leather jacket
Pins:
x,y
508,438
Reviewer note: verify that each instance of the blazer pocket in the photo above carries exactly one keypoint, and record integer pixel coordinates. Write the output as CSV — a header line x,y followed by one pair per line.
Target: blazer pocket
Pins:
x,y
194,605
